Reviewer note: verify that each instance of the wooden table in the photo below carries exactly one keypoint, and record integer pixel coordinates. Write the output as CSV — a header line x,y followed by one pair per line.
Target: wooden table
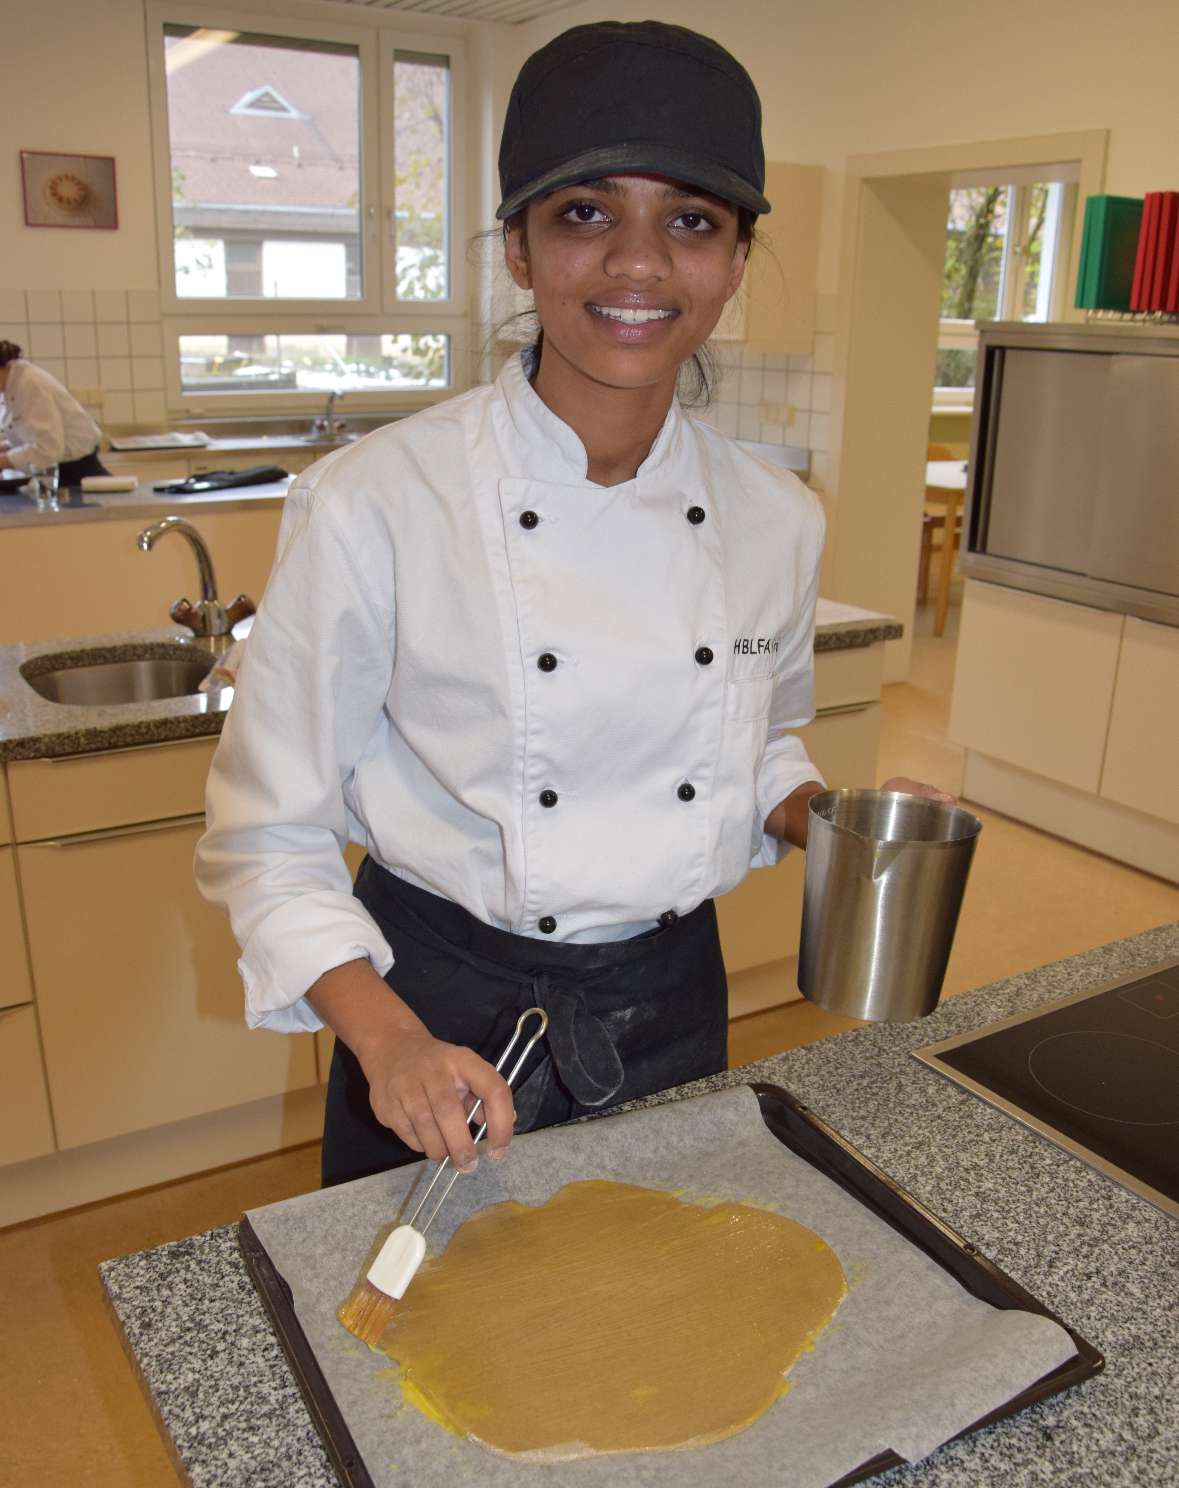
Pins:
x,y
945,484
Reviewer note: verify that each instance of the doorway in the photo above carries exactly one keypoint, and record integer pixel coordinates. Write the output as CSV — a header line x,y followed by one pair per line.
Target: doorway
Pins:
x,y
890,286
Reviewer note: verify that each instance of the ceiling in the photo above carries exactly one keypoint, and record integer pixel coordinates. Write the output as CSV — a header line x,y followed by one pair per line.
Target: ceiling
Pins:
x,y
509,12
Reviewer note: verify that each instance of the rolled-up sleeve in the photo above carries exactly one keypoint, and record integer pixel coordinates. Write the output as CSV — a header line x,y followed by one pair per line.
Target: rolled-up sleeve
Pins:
x,y
785,765
309,695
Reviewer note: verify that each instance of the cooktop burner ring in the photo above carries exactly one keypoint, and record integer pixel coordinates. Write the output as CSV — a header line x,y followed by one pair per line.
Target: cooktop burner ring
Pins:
x,y
1101,1073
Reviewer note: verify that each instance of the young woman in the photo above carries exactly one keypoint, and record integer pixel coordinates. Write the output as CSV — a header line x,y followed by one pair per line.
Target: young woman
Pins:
x,y
43,424
537,649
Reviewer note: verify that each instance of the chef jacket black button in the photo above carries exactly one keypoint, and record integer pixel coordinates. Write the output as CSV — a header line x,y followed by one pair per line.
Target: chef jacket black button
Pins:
x,y
695,515
546,661
704,655
686,792
548,798
529,520
668,917
547,925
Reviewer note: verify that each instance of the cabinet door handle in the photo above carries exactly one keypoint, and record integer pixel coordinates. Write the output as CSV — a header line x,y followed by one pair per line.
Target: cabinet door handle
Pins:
x,y
838,708
106,834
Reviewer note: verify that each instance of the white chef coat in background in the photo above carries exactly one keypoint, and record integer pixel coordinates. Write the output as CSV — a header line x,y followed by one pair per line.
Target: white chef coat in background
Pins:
x,y
392,690
42,422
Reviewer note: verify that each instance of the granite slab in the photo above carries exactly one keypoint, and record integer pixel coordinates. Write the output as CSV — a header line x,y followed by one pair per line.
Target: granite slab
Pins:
x,y
1099,1256
33,728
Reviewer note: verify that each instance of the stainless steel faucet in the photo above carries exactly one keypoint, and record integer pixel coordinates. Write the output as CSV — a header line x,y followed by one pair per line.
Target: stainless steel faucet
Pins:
x,y
325,425
208,619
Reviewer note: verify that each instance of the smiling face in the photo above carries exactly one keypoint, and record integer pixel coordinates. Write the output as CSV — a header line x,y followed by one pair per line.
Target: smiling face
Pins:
x,y
630,275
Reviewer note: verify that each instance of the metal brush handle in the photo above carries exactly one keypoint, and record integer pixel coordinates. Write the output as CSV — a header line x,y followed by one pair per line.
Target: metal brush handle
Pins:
x,y
474,1111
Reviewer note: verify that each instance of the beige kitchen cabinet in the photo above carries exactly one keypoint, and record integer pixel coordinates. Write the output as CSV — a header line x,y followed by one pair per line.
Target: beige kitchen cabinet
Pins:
x,y
137,987
1141,751
85,578
1034,682
775,308
761,919
26,1128
15,987
5,813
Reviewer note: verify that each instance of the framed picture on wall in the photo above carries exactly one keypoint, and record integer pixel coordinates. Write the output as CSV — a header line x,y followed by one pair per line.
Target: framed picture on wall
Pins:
x,y
69,190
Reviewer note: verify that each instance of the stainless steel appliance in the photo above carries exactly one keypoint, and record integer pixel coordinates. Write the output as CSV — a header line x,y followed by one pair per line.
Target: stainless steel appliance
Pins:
x,y
1097,1073
1073,465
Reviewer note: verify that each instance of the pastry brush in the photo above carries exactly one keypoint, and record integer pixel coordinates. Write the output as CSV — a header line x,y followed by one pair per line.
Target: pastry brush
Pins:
x,y
370,1305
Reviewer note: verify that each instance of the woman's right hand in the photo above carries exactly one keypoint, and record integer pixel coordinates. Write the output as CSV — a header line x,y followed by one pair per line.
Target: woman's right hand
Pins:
x,y
423,1088
419,1086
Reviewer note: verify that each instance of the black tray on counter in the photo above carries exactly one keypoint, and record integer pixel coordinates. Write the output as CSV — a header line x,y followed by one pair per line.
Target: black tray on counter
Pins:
x,y
798,1129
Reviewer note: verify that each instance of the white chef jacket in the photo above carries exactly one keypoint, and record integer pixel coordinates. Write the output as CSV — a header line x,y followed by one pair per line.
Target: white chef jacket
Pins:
x,y
392,690
42,422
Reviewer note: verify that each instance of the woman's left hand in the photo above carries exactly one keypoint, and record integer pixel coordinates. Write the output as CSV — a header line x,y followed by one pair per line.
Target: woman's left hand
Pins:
x,y
917,788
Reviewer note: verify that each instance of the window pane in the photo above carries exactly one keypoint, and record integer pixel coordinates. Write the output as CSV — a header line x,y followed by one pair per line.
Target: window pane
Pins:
x,y
265,156
1035,265
975,233
312,363
421,92
955,368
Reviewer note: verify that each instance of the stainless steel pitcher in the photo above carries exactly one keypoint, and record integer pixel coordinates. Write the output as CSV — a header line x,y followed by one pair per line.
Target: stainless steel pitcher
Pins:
x,y
885,876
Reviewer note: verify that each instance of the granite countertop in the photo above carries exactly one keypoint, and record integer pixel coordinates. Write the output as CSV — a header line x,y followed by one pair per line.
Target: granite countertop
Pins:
x,y
33,728
142,504
1097,1255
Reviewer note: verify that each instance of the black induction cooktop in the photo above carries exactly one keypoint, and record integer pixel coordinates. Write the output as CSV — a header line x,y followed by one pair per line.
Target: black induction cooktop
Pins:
x,y
1096,1072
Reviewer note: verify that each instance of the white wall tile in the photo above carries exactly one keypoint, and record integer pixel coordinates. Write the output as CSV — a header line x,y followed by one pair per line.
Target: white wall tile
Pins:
x,y
773,385
150,408
80,341
147,373
821,392
143,304
146,340
820,431
15,332
12,306
115,374
824,353
798,431
46,341
110,304
798,389
772,434
802,363
77,304
44,304
749,423
83,371
749,389
118,408
55,366
114,340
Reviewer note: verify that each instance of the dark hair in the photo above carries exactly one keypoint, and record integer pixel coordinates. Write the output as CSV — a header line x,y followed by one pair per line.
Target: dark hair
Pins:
x,y
9,351
697,378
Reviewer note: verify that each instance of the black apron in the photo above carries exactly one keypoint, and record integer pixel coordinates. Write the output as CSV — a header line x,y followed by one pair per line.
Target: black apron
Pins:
x,y
70,472
626,1018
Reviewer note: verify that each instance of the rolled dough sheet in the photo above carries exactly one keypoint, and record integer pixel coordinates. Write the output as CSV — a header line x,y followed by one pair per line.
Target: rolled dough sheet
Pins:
x,y
645,1323
909,1361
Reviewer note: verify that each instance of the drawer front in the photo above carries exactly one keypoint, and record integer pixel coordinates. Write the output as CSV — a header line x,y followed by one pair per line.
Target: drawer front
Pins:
x,y
15,986
90,792
26,1128
852,676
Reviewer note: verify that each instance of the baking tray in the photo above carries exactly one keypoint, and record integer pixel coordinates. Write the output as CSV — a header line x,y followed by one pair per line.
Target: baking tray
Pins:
x,y
798,1129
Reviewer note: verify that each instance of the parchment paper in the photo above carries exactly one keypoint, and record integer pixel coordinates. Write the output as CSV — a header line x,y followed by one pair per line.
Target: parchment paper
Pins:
x,y
909,1360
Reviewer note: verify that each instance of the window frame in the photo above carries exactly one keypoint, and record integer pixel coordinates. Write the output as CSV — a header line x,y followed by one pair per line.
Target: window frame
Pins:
x,y
1059,227
377,310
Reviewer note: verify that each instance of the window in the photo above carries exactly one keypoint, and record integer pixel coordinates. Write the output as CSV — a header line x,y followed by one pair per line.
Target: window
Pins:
x,y
1006,256
304,174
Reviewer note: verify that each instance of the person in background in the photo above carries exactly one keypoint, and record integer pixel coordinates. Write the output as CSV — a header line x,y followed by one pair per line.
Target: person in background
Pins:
x,y
43,424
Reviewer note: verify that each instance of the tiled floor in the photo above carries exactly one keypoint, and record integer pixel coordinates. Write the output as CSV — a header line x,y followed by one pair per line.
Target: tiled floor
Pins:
x,y
73,1412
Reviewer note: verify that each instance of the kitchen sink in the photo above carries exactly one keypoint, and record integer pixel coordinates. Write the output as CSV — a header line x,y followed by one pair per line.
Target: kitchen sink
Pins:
x,y
136,674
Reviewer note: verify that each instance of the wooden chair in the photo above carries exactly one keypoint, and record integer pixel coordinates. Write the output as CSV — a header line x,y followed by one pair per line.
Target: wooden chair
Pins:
x,y
933,524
